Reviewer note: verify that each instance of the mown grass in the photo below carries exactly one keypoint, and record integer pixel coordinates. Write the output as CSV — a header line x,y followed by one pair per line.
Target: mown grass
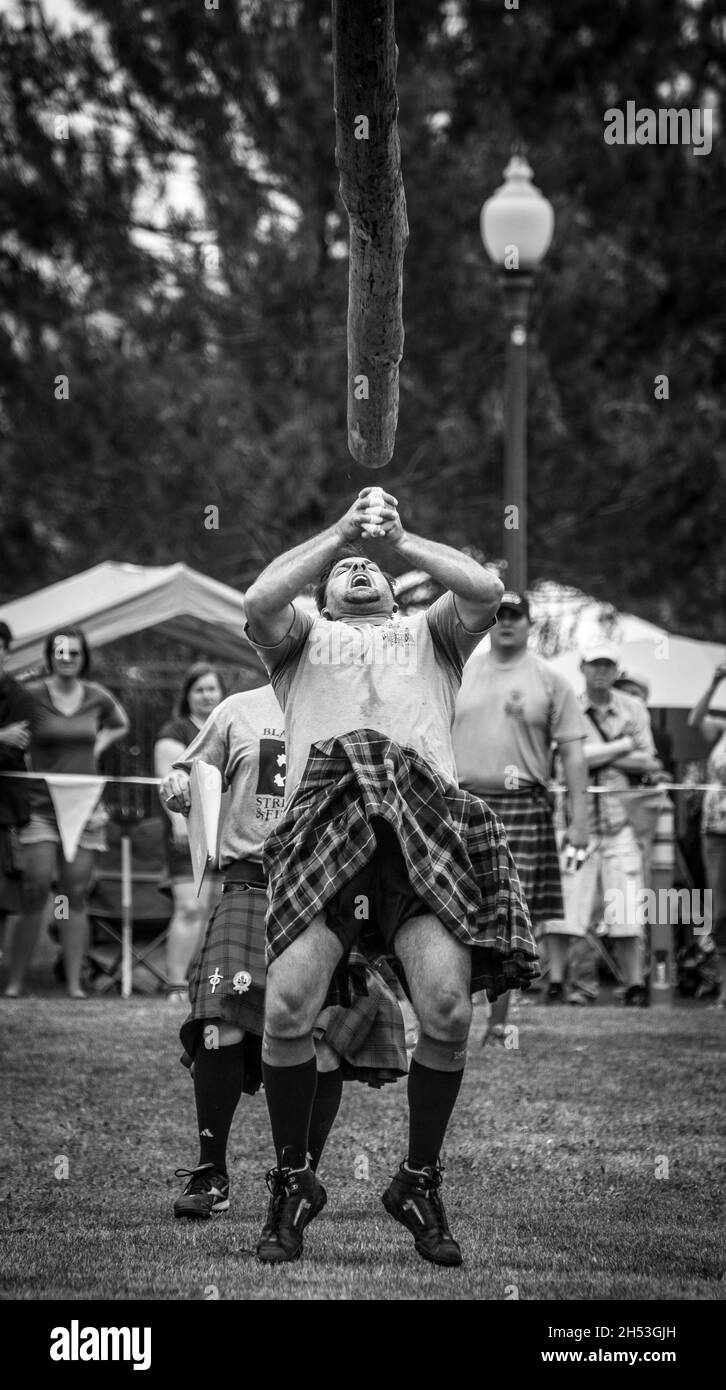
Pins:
x,y
552,1165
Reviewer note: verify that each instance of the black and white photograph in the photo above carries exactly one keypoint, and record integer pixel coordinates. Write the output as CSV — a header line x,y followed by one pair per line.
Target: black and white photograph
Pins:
x,y
362,667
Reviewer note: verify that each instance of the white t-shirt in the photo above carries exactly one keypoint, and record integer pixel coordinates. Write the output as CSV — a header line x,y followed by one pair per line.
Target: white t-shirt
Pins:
x,y
244,739
399,678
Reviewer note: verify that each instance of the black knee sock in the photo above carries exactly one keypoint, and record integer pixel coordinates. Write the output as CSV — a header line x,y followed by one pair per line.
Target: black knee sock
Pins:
x,y
325,1108
431,1099
290,1093
217,1089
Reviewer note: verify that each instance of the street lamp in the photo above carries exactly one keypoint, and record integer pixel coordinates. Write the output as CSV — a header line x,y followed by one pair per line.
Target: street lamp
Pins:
x,y
517,223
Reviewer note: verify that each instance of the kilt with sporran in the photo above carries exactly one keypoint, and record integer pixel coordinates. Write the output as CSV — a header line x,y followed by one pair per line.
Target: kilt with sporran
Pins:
x,y
227,981
528,821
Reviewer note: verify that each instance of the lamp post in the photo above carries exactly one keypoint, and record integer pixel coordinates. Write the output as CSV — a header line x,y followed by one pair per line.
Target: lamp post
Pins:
x,y
517,223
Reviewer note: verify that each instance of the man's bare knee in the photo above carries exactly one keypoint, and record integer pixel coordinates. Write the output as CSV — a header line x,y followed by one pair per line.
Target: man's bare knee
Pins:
x,y
288,1013
448,1016
229,1034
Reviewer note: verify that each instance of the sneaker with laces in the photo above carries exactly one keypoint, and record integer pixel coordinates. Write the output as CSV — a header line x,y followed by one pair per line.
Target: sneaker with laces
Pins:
x,y
206,1192
296,1198
413,1198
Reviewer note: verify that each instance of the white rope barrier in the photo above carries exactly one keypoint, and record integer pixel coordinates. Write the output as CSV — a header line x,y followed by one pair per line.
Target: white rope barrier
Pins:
x,y
85,777
553,786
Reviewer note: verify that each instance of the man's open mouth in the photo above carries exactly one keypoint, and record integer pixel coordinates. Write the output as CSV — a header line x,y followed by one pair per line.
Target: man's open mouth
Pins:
x,y
360,581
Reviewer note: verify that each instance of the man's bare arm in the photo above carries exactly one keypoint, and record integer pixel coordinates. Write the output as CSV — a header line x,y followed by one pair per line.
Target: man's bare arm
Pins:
x,y
477,590
711,726
268,601
620,753
574,769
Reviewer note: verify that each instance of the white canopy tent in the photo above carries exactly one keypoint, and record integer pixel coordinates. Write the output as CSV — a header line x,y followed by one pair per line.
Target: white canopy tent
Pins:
x,y
112,600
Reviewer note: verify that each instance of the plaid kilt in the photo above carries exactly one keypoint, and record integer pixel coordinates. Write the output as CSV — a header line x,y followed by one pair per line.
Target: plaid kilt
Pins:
x,y
455,851
370,1036
227,981
227,975
529,825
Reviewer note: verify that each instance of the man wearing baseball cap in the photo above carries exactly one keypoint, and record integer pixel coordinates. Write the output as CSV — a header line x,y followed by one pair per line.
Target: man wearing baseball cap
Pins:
x,y
511,709
620,742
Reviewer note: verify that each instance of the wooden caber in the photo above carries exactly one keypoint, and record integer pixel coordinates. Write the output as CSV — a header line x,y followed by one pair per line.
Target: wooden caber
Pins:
x,y
368,156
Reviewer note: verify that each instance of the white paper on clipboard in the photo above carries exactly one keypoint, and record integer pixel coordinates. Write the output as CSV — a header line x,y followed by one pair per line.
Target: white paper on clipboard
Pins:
x,y
203,822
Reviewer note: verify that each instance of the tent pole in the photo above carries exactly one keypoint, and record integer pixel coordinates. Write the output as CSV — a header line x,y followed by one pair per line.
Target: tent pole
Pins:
x,y
126,918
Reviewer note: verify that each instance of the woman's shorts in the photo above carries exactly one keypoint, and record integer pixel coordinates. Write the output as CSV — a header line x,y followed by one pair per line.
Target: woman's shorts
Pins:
x,y
42,830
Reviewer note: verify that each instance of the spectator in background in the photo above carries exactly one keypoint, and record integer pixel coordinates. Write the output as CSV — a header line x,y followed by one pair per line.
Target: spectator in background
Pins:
x,y
76,720
511,708
713,816
645,810
17,720
201,692
620,746
633,684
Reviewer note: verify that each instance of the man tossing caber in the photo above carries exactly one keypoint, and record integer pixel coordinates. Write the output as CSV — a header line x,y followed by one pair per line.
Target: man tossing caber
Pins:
x,y
377,844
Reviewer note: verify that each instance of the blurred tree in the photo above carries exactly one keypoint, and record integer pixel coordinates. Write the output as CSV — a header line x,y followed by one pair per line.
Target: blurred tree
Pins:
x,y
207,364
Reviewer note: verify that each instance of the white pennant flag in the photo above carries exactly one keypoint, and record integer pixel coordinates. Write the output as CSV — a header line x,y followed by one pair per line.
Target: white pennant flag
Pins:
x,y
74,798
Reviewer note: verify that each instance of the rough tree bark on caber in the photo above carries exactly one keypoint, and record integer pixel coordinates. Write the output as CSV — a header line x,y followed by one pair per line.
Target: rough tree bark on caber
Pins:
x,y
368,156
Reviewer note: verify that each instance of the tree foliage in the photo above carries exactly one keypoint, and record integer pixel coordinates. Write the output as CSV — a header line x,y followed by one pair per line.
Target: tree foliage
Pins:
x,y
206,360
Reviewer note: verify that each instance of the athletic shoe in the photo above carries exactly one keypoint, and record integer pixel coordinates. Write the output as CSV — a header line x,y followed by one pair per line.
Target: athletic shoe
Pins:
x,y
413,1199
637,996
207,1192
296,1198
555,993
576,996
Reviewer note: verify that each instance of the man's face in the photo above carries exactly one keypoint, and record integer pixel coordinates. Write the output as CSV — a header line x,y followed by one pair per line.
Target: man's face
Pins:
x,y
510,632
599,676
357,588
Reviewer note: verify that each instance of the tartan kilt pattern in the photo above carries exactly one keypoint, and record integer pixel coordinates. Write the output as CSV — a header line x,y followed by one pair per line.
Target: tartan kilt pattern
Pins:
x,y
529,826
455,849
232,950
369,1036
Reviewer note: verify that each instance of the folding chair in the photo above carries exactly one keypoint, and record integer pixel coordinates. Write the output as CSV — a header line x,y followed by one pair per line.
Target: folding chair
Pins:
x,y
128,913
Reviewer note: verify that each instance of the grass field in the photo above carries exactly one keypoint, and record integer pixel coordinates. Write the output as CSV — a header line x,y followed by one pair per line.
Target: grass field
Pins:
x,y
586,1163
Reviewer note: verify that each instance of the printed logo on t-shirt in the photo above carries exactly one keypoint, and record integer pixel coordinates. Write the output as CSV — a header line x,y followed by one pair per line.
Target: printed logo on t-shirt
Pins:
x,y
514,705
271,778
352,644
